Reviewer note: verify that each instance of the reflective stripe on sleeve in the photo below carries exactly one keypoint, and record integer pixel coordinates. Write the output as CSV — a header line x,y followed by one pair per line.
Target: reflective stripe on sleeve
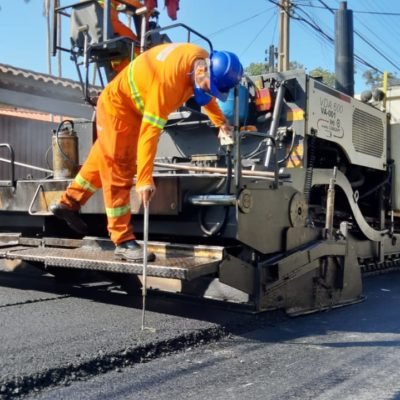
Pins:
x,y
154,120
136,97
118,211
85,184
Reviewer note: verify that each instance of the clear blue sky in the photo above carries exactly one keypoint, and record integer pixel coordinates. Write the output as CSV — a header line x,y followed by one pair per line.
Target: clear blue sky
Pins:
x,y
244,27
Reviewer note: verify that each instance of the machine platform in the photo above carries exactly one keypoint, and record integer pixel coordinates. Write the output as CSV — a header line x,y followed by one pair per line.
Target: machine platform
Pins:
x,y
184,262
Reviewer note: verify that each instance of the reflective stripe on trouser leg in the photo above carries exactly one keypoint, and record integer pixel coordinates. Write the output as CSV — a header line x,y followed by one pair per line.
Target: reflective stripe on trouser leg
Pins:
x,y
86,182
117,164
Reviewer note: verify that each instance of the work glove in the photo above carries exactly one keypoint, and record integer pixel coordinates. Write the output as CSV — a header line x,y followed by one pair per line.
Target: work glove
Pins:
x,y
225,134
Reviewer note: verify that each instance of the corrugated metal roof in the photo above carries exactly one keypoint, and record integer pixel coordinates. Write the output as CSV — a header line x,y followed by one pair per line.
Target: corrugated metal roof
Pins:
x,y
40,77
25,89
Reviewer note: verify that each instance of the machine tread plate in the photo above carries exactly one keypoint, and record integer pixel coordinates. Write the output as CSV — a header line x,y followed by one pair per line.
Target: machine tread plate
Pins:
x,y
177,266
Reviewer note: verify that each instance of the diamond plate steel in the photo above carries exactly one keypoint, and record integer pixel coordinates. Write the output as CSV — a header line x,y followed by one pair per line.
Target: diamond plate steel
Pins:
x,y
177,266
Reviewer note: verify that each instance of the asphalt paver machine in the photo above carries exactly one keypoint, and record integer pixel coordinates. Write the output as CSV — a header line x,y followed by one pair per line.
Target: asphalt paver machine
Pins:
x,y
288,217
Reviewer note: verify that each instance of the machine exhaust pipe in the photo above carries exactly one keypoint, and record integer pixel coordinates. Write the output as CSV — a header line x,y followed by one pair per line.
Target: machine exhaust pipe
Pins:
x,y
344,50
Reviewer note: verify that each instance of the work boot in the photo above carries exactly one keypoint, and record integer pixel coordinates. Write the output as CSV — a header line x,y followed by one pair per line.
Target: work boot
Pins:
x,y
71,217
132,251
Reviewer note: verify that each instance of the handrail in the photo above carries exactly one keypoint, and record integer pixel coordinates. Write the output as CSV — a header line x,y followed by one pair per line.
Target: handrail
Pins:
x,y
12,164
157,30
35,195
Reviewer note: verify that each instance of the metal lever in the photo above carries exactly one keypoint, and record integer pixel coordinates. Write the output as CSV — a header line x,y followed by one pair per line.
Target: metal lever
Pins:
x,y
276,115
330,206
144,273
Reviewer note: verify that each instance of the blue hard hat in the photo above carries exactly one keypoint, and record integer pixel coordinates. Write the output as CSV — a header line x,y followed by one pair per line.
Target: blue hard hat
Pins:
x,y
225,73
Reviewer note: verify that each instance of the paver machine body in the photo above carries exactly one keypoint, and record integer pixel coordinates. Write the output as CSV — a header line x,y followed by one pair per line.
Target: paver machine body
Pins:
x,y
286,218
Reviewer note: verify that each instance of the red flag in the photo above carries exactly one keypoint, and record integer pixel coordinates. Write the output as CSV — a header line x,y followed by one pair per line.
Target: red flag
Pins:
x,y
172,8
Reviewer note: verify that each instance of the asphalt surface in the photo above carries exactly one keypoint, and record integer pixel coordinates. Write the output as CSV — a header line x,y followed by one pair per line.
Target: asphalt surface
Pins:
x,y
53,334
63,343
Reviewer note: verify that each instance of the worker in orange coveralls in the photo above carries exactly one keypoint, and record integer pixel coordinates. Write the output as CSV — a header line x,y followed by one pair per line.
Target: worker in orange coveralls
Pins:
x,y
120,29
132,110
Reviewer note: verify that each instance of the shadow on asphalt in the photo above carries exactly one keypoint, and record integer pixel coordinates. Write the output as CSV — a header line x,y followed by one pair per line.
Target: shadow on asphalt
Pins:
x,y
105,288
378,313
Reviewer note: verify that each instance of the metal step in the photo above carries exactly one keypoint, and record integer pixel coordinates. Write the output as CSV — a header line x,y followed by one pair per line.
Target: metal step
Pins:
x,y
184,262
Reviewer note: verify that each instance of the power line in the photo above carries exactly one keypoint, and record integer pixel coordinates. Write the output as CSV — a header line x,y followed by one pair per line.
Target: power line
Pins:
x,y
365,40
377,50
240,22
329,38
391,14
257,35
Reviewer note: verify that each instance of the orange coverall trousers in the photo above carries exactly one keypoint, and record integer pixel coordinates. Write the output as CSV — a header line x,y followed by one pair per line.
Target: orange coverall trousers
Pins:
x,y
111,165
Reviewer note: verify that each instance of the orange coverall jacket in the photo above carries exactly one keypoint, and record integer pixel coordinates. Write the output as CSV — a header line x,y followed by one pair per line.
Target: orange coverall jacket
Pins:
x,y
155,84
131,112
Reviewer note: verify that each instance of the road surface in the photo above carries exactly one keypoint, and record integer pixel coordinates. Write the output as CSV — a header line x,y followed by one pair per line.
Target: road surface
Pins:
x,y
60,342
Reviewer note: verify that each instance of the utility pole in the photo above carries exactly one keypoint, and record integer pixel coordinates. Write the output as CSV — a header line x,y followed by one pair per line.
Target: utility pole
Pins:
x,y
283,54
270,58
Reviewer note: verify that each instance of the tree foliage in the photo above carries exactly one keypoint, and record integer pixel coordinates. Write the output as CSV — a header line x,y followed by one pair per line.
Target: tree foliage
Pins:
x,y
374,78
295,65
327,77
256,69
261,68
